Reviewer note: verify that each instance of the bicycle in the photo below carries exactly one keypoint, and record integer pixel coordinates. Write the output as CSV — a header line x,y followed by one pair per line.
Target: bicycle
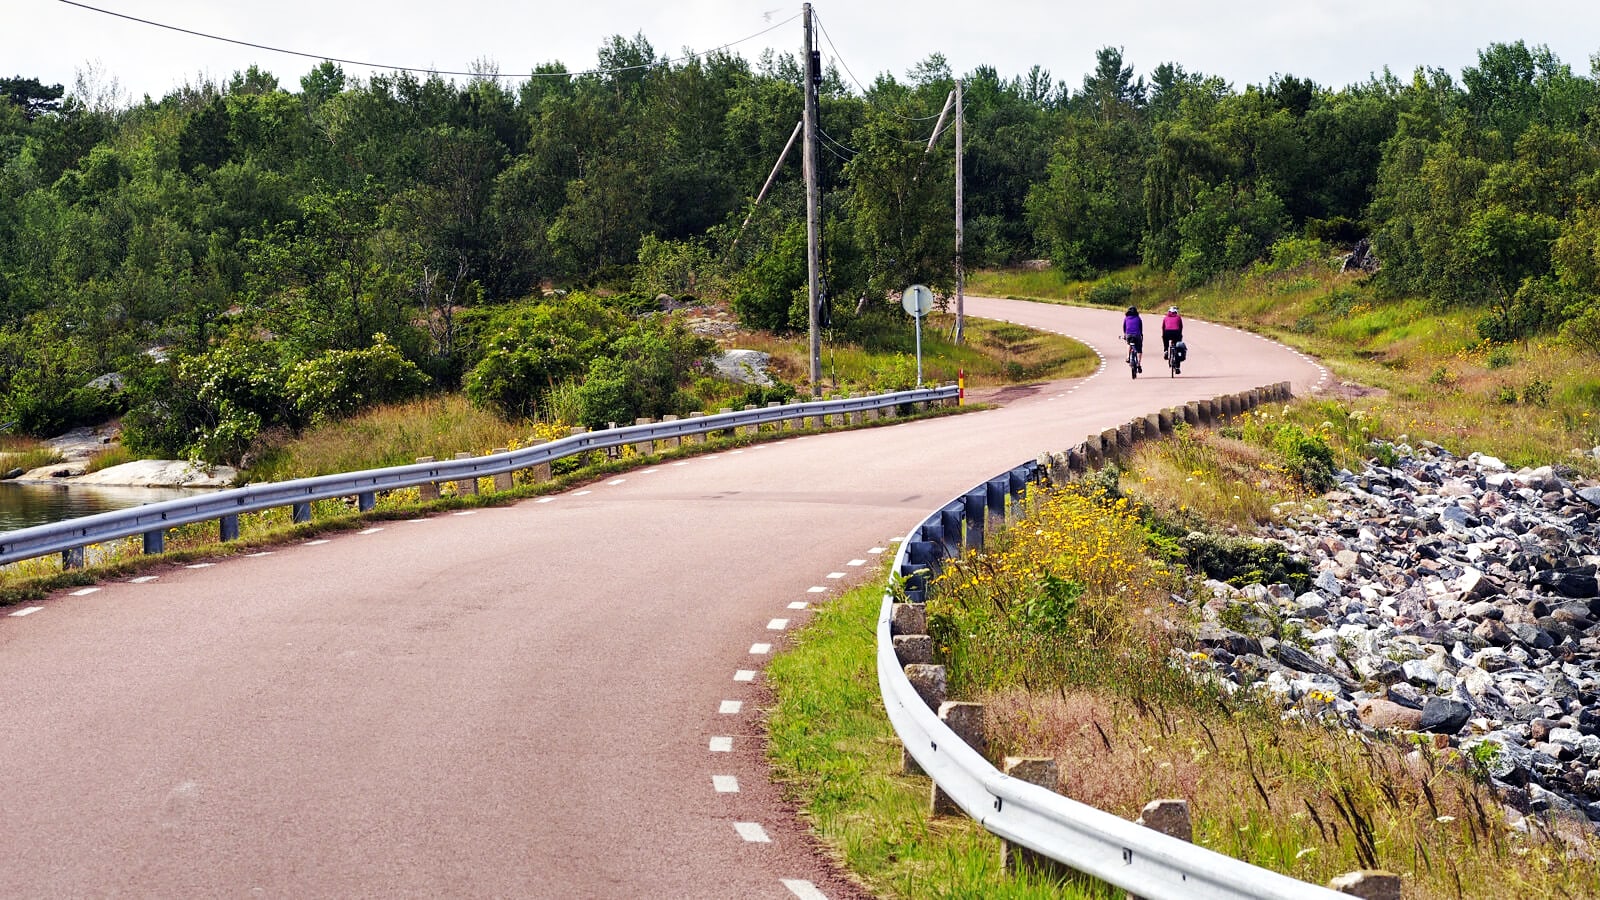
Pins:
x,y
1174,356
1135,358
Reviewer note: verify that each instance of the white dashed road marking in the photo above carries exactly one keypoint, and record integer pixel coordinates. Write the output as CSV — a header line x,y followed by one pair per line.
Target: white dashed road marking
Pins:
x,y
143,579
730,707
805,890
259,555
581,493
777,624
745,675
816,590
615,481
722,745
26,612
544,500
856,562
760,649
835,574
466,512
369,531
317,543
200,566
725,784
876,550
752,832
799,604
83,592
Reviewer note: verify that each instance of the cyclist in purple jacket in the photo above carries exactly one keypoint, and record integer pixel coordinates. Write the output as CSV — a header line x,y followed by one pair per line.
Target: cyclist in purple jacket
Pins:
x,y
1133,330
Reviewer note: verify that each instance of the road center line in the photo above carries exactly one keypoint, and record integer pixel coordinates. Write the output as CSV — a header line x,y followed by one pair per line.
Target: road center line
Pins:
x,y
752,832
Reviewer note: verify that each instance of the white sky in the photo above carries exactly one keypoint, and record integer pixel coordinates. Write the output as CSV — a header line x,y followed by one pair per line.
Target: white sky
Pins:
x,y
1333,42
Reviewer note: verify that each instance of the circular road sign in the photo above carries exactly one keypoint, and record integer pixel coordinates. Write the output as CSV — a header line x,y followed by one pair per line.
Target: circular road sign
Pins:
x,y
917,300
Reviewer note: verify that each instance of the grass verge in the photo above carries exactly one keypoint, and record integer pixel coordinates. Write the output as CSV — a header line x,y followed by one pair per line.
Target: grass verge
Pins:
x,y
835,753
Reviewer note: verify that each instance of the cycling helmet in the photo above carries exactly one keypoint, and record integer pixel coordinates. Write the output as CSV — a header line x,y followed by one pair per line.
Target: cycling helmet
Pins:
x,y
1172,309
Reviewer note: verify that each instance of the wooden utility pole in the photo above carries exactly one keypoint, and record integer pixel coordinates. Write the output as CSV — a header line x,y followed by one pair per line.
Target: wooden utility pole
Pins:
x,y
813,75
961,312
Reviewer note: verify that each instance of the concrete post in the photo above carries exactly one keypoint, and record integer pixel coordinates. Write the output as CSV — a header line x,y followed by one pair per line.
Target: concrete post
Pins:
x,y
966,720
644,448
502,480
1044,773
1191,413
750,429
908,618
1152,427
1368,884
1170,817
700,438
1164,420
931,682
913,648
428,490
1093,453
539,472
673,441
467,486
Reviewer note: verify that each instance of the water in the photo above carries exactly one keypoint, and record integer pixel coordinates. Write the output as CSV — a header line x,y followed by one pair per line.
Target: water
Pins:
x,y
24,505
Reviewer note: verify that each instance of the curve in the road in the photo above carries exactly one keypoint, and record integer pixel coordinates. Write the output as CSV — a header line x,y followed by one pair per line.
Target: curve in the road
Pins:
x,y
550,699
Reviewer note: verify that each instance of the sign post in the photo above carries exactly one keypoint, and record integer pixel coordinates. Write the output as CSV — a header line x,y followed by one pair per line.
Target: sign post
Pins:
x,y
918,301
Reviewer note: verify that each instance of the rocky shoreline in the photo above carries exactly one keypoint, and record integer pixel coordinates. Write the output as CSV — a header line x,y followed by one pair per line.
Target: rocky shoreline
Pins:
x,y
77,446
1449,597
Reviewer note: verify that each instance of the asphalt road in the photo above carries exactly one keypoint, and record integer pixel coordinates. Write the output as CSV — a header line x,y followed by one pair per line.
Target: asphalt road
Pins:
x,y
552,699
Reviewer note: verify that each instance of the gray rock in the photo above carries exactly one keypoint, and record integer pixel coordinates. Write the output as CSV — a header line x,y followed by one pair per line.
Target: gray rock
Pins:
x,y
1442,716
1591,494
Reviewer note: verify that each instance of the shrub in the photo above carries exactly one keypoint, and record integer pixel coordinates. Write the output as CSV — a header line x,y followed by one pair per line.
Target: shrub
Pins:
x,y
644,374
1582,331
341,382
1109,293
531,349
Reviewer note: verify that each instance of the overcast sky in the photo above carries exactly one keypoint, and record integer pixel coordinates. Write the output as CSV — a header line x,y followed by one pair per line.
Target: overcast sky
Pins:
x,y
1246,42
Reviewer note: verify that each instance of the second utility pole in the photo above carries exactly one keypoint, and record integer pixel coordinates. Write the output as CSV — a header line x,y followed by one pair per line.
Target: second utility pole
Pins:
x,y
813,76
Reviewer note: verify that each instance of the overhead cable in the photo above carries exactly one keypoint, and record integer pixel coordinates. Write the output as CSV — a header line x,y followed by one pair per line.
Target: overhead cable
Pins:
x,y
865,94
394,68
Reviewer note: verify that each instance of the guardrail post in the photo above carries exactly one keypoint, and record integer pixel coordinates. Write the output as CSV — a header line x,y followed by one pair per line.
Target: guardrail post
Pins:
x,y
673,441
976,500
467,486
1152,427
750,429
1017,484
951,518
365,501
72,558
300,513
1191,413
1368,884
428,490
538,472
930,681
1171,818
966,720
913,648
1039,771
502,480
155,541
644,448
228,528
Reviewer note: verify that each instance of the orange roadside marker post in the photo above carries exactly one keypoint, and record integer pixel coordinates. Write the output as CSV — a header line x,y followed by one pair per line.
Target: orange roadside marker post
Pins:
x,y
961,387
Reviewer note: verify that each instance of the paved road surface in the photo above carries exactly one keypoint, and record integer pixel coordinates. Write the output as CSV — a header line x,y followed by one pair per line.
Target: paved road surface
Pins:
x,y
551,699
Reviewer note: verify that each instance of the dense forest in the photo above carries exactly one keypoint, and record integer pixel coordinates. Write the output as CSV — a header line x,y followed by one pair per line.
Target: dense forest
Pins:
x,y
240,257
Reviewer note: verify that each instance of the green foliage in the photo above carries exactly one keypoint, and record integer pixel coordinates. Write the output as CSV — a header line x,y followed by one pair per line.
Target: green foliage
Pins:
x,y
770,292
340,383
643,374
1239,561
1051,609
1109,293
529,349
1228,230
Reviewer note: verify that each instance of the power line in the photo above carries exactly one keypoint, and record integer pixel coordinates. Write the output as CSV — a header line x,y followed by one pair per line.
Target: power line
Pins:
x,y
836,142
392,68
865,94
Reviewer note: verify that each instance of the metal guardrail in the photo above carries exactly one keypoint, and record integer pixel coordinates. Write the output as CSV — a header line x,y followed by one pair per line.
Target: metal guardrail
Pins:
x,y
1142,861
152,521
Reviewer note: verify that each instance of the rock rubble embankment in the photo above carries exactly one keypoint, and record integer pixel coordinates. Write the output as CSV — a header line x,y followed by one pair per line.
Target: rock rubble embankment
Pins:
x,y
1450,597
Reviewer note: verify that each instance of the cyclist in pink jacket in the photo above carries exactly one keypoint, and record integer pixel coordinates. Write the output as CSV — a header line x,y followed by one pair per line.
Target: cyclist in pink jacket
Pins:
x,y
1171,332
